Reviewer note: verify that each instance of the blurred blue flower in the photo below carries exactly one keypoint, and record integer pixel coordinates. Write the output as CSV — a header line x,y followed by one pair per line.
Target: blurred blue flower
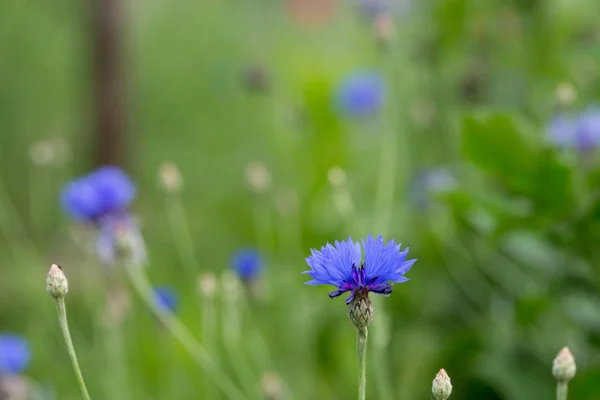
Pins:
x,y
340,265
105,190
166,298
247,263
580,132
361,93
14,354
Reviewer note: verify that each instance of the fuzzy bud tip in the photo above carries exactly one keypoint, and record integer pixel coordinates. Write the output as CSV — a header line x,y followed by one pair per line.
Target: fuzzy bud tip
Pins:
x,y
56,282
441,386
563,367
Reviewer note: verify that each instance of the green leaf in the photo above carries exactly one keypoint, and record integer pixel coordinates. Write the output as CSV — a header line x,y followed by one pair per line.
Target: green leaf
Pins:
x,y
494,143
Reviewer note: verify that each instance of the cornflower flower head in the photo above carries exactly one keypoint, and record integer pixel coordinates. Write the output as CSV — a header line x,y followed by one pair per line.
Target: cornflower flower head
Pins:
x,y
247,264
166,299
580,131
14,354
102,198
107,190
361,93
340,265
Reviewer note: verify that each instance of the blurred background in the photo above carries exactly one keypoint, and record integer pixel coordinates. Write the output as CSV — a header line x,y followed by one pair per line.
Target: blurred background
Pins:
x,y
466,130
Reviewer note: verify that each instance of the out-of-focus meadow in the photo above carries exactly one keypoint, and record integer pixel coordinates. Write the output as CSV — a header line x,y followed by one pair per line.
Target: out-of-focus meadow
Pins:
x,y
243,97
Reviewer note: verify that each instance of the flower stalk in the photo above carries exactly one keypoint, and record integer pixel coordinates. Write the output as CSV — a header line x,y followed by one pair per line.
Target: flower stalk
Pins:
x,y
64,327
182,334
562,390
362,335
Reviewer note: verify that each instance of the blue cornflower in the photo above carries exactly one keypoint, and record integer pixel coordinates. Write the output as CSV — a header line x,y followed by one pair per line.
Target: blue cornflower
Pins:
x,y
361,93
247,263
14,354
166,298
580,132
340,265
104,191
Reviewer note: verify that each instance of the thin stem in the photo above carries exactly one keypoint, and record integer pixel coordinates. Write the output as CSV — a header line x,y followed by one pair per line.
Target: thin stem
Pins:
x,y
361,344
183,335
181,234
562,389
64,327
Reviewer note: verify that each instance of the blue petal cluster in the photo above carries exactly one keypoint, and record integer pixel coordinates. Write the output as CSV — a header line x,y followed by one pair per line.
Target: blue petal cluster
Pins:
x,y
580,132
340,265
166,298
247,264
14,354
104,191
361,93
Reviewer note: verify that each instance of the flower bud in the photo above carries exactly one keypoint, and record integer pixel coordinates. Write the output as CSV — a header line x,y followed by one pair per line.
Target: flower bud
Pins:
x,y
360,311
170,178
207,285
565,94
15,387
56,282
336,177
563,367
384,27
258,177
256,78
271,386
441,386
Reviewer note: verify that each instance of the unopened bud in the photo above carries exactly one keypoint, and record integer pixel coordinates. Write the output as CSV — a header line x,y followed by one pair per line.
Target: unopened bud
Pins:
x,y
207,285
360,311
170,178
42,153
258,177
15,387
336,177
56,282
441,386
384,27
563,367
565,93
256,78
272,386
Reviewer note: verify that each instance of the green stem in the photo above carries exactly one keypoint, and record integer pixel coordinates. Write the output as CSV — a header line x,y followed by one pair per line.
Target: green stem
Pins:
x,y
182,334
562,389
361,344
64,327
182,236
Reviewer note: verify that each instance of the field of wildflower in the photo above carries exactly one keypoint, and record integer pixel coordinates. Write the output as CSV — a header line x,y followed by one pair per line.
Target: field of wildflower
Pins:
x,y
300,199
